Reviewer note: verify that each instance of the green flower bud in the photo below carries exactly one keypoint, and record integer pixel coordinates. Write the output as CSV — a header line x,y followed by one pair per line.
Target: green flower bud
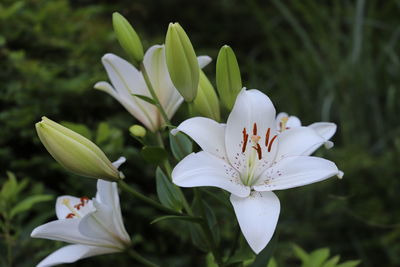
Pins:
x,y
206,102
137,130
127,37
75,152
229,82
181,62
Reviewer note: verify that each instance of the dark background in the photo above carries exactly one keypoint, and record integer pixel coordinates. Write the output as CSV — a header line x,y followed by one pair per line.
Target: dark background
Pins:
x,y
321,60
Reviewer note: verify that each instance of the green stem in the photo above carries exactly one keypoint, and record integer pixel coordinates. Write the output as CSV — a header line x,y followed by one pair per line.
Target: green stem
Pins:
x,y
140,259
207,231
147,200
153,94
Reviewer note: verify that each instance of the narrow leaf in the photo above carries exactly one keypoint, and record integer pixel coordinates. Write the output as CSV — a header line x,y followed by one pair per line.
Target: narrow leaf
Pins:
x,y
181,145
168,194
154,154
146,98
176,217
28,203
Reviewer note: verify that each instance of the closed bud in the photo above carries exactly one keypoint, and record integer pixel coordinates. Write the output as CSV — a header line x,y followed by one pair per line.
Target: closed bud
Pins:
x,y
229,82
137,130
181,62
206,102
75,152
127,37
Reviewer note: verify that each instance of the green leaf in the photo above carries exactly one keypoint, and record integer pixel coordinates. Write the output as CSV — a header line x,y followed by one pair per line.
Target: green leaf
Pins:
x,y
168,194
210,261
349,263
146,98
300,253
332,262
318,257
176,217
154,154
244,253
198,238
181,145
28,202
103,132
9,189
272,263
265,255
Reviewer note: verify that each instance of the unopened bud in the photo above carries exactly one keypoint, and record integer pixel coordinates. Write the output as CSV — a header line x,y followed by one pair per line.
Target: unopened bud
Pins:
x,y
229,82
181,62
137,130
75,152
127,37
206,102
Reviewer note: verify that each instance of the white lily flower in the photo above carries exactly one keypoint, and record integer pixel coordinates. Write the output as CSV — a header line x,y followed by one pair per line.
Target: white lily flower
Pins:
x,y
94,227
128,81
324,129
248,157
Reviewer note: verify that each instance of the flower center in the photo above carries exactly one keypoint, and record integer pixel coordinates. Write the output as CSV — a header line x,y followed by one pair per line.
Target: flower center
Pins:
x,y
255,156
75,209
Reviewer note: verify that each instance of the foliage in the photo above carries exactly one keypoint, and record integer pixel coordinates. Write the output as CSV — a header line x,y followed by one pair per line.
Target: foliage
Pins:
x,y
331,61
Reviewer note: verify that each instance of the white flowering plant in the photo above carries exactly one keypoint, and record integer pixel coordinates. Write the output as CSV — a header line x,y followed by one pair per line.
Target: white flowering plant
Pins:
x,y
242,158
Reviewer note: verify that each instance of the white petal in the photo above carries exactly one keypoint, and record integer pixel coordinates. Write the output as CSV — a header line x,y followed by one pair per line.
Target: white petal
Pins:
x,y
298,141
65,230
100,225
257,216
251,107
72,253
127,80
203,61
296,171
325,129
108,195
119,162
156,67
207,133
204,169
69,204
293,122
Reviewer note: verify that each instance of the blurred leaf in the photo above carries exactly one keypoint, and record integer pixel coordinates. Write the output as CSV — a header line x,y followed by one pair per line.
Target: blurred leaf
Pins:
x,y
181,145
265,255
103,132
318,257
28,202
300,253
349,263
272,263
168,193
154,154
176,217
332,262
210,261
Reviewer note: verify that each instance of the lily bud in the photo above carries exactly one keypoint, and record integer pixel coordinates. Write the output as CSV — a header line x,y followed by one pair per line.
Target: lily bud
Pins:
x,y
137,130
127,37
181,62
206,102
75,152
229,82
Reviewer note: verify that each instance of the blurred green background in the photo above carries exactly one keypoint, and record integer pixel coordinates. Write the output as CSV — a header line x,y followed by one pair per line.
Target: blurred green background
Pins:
x,y
332,60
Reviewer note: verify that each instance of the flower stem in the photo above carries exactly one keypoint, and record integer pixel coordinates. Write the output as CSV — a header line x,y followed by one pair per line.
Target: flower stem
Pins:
x,y
140,259
153,94
147,200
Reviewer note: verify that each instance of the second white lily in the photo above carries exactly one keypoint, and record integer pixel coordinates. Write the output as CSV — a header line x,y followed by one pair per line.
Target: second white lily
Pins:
x,y
249,158
94,227
127,81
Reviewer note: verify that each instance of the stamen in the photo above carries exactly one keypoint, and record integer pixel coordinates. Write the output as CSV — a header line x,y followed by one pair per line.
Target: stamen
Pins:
x,y
245,138
254,129
283,122
258,149
66,202
270,144
83,200
70,216
267,137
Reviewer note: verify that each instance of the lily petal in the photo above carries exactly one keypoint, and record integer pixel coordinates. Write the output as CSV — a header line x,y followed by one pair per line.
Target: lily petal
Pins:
x,y
204,169
296,171
207,133
257,215
65,230
64,204
292,121
156,67
203,61
252,109
108,195
298,141
100,225
326,130
72,253
127,80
